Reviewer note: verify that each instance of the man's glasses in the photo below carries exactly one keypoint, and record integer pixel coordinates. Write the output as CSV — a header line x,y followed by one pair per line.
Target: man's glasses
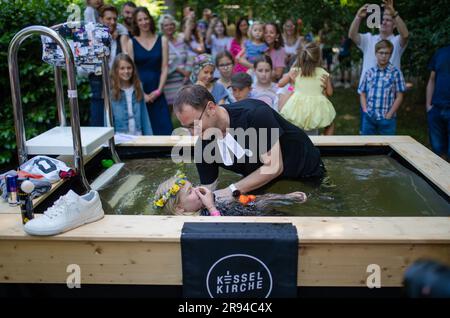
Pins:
x,y
196,122
225,65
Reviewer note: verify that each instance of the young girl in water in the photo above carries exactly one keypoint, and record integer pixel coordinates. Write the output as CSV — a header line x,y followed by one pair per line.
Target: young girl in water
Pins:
x,y
177,196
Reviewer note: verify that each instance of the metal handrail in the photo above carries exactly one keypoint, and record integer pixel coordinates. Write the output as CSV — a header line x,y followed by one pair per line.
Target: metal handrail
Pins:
x,y
13,49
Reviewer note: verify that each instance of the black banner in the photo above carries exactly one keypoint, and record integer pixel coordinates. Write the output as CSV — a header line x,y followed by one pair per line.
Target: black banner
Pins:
x,y
239,260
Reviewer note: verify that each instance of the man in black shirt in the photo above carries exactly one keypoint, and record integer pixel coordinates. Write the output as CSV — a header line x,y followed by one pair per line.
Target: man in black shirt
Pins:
x,y
247,137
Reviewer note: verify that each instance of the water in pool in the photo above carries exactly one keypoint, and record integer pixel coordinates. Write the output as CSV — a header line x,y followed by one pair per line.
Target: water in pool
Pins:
x,y
358,186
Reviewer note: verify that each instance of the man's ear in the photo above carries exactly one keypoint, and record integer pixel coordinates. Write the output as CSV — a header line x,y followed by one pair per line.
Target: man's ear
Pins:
x,y
211,107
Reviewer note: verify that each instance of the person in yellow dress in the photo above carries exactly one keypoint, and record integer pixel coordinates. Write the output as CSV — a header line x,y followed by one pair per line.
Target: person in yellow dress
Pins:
x,y
308,107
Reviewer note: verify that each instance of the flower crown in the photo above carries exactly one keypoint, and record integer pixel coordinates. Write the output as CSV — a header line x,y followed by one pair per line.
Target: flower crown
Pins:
x,y
160,202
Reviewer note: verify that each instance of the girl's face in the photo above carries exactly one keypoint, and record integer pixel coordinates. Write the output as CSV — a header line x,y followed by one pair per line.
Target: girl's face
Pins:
x,y
289,27
257,32
168,27
225,67
263,73
95,3
143,22
270,34
243,27
125,71
206,74
189,201
219,29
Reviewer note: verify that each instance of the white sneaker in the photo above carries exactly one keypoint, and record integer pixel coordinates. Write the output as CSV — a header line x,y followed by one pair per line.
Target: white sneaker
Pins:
x,y
347,85
68,212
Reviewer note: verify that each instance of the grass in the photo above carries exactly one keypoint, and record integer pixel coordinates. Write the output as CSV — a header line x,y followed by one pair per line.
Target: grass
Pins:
x,y
411,118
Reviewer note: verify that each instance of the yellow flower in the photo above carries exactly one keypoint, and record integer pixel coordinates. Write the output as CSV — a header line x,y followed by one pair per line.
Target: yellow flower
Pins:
x,y
159,203
175,188
182,182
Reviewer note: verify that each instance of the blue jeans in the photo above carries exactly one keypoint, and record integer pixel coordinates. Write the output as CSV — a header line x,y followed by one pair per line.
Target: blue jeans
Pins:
x,y
96,118
371,126
439,130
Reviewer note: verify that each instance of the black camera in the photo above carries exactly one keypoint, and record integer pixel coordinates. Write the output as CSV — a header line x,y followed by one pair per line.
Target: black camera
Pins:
x,y
427,279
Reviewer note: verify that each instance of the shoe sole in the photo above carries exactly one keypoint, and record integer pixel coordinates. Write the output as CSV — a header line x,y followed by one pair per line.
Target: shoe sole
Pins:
x,y
98,215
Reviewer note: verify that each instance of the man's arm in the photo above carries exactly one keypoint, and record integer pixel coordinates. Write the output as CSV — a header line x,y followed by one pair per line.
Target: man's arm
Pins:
x,y
354,27
363,100
399,23
398,101
272,167
430,90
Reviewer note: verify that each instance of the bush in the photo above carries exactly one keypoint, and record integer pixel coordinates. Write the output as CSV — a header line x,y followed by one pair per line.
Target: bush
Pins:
x,y
37,80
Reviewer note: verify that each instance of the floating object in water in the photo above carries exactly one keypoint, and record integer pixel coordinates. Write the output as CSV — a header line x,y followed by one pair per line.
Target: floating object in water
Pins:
x,y
107,163
246,199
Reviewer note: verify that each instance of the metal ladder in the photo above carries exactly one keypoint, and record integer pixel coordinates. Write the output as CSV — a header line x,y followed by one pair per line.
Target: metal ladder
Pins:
x,y
76,135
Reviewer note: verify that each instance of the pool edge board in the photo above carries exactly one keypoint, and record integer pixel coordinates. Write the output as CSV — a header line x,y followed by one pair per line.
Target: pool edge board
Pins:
x,y
145,250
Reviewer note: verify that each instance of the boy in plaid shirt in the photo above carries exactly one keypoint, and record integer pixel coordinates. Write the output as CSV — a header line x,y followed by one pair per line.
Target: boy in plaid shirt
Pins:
x,y
381,93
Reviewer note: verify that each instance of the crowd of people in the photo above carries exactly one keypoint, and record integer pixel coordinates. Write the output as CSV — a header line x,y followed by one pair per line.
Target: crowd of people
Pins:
x,y
277,65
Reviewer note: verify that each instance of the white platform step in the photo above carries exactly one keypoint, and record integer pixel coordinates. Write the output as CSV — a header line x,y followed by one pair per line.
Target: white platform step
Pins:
x,y
107,176
58,140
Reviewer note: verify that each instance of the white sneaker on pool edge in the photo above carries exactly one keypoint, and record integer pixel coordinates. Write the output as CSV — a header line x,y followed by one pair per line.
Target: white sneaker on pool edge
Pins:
x,y
68,212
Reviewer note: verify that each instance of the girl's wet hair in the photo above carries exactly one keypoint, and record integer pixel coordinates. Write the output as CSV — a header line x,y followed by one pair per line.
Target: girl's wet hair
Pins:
x,y
172,202
309,58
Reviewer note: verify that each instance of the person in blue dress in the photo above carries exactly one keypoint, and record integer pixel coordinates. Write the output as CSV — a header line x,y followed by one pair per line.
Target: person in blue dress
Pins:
x,y
150,52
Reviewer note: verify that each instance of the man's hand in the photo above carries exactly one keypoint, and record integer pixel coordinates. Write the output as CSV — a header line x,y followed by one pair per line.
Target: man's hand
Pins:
x,y
389,7
224,195
362,12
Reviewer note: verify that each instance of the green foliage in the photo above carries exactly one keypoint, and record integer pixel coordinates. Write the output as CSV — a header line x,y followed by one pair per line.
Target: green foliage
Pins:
x,y
428,21
37,80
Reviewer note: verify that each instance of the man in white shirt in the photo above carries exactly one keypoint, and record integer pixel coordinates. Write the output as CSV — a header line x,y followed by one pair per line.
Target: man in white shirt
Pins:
x,y
366,42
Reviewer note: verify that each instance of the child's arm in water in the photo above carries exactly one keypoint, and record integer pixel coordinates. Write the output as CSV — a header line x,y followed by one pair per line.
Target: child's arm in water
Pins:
x,y
271,200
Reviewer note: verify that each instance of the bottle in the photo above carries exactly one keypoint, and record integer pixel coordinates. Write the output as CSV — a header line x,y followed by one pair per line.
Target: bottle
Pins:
x,y
26,204
11,189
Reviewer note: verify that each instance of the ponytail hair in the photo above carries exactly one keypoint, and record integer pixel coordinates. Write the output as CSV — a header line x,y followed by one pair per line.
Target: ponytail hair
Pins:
x,y
309,58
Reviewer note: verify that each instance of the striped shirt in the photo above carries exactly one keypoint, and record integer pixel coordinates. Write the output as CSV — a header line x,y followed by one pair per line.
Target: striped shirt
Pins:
x,y
381,87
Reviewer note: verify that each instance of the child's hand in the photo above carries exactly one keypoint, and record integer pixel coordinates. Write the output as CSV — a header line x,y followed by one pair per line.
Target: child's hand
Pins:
x,y
147,98
324,80
293,75
207,198
298,196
